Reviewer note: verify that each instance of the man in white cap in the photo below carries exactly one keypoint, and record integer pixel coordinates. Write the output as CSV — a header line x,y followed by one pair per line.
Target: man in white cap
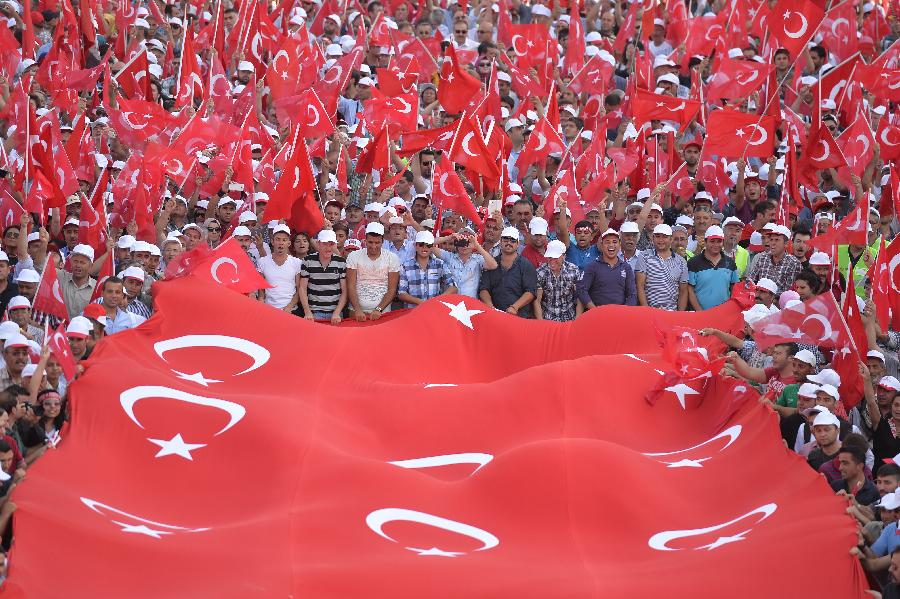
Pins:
x,y
661,275
557,286
765,292
537,242
70,235
113,301
19,311
711,273
323,281
776,263
629,233
281,271
77,286
425,275
133,279
608,279
803,364
27,281
513,285
372,276
820,263
15,355
8,290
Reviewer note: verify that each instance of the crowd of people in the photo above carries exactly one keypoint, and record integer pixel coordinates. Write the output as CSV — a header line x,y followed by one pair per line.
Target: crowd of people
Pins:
x,y
562,227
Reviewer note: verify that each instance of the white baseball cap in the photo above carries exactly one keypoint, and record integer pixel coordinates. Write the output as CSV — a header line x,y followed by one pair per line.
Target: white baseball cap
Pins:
x,y
807,390
510,232
79,327
767,284
125,242
555,249
18,302
890,501
17,340
662,229
85,250
643,193
426,237
133,272
28,275
889,382
819,259
826,377
281,229
629,227
246,65
326,236
239,231
874,353
375,229
714,232
830,390
537,226
247,217
826,418
806,356
733,220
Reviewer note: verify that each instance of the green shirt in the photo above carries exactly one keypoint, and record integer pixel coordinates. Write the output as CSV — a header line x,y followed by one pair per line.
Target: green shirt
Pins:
x,y
788,397
860,270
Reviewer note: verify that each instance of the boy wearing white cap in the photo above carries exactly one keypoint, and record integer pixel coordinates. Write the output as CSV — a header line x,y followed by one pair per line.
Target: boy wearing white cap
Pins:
x,y
372,276
323,281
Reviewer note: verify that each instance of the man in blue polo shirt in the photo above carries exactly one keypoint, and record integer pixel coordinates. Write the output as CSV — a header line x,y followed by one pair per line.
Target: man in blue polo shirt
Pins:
x,y
711,273
608,279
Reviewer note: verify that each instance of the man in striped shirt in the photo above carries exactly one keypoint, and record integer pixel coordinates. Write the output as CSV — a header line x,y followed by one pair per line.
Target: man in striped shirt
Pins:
x,y
323,283
661,275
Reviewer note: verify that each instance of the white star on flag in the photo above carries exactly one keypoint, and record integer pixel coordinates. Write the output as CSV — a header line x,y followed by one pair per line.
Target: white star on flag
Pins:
x,y
435,551
197,377
461,313
680,390
176,446
722,541
686,463
142,529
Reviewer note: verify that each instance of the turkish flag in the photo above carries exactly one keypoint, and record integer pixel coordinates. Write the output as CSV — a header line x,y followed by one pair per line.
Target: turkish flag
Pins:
x,y
48,297
737,79
853,318
136,122
566,189
794,22
308,112
815,322
92,226
461,473
227,265
201,133
439,139
648,106
457,87
834,84
10,210
888,137
59,346
134,78
819,153
293,198
449,193
524,84
399,112
160,160
190,77
468,149
593,77
544,140
858,146
284,70
734,134
852,229
409,47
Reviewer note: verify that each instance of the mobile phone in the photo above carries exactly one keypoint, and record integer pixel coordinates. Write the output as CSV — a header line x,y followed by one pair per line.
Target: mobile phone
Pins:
x,y
494,206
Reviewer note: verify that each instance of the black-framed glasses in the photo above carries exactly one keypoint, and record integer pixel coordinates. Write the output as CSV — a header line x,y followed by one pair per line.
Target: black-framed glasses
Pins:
x,y
213,229
509,239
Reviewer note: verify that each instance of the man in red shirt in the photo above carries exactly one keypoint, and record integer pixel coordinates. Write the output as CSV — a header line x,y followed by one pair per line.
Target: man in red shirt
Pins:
x,y
537,242
776,376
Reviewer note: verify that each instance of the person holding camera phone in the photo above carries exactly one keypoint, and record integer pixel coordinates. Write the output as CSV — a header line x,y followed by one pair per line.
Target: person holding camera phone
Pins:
x,y
467,264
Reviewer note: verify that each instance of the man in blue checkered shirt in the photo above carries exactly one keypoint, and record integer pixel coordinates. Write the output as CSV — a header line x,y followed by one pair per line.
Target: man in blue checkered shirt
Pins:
x,y
423,276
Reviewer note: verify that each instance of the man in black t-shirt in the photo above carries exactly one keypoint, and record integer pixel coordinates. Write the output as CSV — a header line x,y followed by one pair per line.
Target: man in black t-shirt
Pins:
x,y
853,481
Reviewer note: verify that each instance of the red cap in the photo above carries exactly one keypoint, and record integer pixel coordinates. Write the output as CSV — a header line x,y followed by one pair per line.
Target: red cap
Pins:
x,y
447,232
95,311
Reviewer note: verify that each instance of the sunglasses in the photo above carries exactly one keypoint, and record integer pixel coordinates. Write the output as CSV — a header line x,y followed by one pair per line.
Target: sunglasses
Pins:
x,y
213,229
509,240
422,244
702,209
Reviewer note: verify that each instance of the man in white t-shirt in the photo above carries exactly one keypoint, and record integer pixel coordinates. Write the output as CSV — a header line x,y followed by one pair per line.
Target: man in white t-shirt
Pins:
x,y
281,271
372,276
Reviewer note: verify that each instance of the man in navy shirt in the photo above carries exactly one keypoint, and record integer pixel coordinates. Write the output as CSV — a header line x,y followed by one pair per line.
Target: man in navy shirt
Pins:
x,y
608,279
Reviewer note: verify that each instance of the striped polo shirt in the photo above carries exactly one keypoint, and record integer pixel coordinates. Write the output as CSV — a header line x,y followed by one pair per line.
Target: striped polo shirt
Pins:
x,y
324,287
664,278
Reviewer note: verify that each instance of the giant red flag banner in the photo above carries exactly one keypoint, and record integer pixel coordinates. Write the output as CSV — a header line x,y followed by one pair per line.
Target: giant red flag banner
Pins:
x,y
416,482
227,265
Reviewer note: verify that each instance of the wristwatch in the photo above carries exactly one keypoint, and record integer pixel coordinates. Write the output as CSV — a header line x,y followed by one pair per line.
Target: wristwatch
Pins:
x,y
379,308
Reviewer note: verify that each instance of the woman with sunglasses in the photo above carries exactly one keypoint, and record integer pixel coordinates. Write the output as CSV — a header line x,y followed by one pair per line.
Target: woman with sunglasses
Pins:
x,y
51,412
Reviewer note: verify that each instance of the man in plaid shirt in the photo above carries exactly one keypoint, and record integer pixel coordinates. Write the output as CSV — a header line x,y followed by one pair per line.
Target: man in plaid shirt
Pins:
x,y
557,297
775,263
423,276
